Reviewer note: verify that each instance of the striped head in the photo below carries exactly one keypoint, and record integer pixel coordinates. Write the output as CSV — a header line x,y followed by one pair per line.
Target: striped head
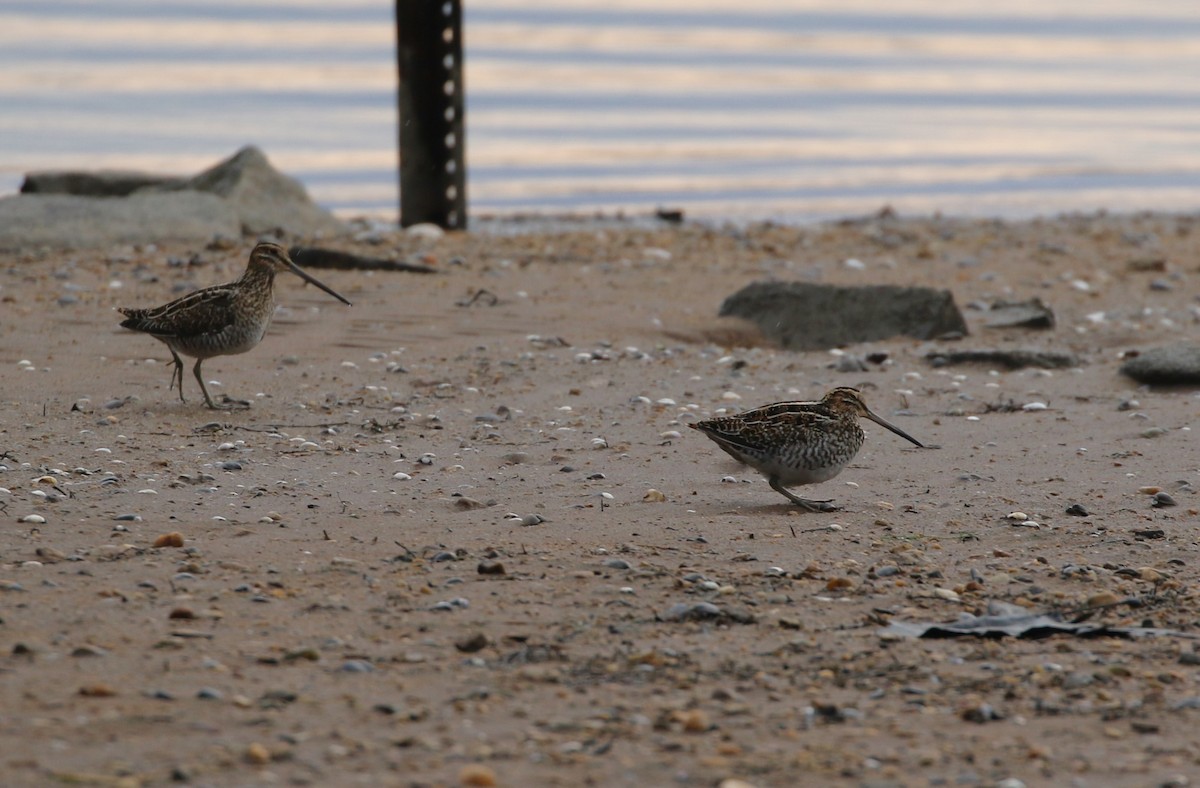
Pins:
x,y
269,259
849,401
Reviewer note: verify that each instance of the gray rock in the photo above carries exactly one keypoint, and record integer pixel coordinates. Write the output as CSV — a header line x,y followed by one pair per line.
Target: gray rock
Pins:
x,y
265,199
242,194
803,316
1009,359
1169,365
99,183
68,221
1020,314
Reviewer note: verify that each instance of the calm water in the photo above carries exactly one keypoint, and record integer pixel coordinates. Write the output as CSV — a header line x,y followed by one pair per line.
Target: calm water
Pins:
x,y
790,109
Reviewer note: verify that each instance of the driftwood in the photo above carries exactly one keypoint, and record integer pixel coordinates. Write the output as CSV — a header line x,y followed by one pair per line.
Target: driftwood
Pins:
x,y
318,257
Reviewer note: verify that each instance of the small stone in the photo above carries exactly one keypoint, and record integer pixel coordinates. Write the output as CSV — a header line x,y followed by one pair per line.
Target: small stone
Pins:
x,y
476,775
1103,599
258,755
470,645
693,720
173,539
980,713
97,690
490,568
1150,574
1077,510
1162,500
654,496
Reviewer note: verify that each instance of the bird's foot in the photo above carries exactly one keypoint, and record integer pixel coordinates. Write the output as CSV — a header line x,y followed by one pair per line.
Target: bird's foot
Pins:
x,y
228,403
817,506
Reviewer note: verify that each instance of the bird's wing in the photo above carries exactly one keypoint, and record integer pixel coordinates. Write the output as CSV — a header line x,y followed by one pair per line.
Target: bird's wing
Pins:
x,y
206,311
752,429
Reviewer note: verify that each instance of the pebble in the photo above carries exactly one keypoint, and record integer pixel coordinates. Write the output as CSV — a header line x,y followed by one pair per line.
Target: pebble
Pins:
x,y
476,775
470,645
1162,500
357,666
490,568
654,496
693,720
1077,510
689,611
617,563
97,690
257,754
36,519
173,539
1103,599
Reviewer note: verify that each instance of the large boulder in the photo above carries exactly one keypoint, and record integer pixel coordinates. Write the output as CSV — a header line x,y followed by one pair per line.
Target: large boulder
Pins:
x,y
803,316
265,199
69,221
242,195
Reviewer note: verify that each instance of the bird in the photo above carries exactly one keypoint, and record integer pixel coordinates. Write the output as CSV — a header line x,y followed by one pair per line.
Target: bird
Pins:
x,y
795,443
221,320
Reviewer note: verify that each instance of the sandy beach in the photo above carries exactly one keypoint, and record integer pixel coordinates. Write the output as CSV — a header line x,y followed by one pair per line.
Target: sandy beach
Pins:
x,y
462,534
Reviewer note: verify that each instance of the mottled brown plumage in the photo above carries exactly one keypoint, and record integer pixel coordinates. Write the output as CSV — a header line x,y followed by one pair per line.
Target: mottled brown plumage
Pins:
x,y
794,443
220,320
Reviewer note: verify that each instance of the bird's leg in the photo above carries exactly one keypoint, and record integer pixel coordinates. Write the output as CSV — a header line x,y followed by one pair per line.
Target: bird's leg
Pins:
x,y
177,374
228,403
811,506
207,399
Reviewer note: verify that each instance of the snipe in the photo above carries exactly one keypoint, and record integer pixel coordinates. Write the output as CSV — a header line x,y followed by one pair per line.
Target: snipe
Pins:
x,y
221,320
795,443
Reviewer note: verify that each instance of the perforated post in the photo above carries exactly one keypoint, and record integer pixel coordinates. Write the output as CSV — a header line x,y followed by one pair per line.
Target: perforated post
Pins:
x,y
432,162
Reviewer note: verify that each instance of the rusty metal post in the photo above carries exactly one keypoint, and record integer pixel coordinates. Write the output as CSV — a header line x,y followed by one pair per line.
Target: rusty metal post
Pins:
x,y
433,173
